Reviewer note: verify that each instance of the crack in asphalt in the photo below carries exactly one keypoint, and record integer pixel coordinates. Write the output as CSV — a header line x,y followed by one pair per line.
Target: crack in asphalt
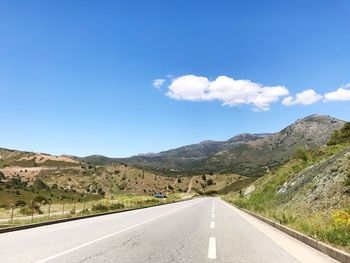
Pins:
x,y
112,248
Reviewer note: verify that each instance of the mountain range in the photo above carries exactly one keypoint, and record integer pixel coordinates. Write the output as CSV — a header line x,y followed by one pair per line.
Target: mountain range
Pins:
x,y
244,154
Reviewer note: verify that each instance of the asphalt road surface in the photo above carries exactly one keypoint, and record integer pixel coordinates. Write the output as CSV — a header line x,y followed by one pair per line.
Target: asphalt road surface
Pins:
x,y
199,230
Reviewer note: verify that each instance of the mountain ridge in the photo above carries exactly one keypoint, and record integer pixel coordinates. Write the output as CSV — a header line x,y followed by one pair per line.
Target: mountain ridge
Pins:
x,y
239,153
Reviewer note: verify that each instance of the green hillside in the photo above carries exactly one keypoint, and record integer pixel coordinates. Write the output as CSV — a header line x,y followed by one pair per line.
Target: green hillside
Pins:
x,y
310,193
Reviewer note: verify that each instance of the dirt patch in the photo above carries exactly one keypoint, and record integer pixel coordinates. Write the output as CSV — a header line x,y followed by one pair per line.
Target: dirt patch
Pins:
x,y
42,158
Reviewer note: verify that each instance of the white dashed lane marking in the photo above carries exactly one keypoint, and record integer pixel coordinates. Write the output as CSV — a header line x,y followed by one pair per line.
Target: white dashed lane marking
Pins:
x,y
212,248
212,224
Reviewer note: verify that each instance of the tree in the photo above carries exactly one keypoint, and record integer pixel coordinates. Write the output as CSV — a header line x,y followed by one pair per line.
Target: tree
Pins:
x,y
204,177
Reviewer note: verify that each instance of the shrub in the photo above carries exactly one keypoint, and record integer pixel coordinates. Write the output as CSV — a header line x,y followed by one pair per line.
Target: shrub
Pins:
x,y
2,176
115,206
179,180
340,136
20,203
39,184
301,154
101,192
99,208
16,182
210,182
40,199
32,208
211,192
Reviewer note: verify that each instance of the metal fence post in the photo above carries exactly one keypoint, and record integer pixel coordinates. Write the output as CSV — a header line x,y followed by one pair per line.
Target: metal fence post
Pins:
x,y
49,209
12,214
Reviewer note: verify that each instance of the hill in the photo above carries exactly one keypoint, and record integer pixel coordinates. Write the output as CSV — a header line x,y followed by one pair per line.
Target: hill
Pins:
x,y
26,175
310,193
245,154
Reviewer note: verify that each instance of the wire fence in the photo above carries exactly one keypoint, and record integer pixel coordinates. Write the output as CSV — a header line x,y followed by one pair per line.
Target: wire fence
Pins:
x,y
43,212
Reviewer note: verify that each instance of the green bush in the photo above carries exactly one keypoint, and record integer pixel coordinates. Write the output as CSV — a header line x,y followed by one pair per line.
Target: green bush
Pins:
x,y
115,206
340,136
2,176
301,154
32,208
39,184
211,192
20,203
99,208
40,199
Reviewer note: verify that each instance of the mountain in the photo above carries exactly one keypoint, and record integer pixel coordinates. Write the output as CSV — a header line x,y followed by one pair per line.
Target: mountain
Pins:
x,y
187,156
254,158
184,156
245,154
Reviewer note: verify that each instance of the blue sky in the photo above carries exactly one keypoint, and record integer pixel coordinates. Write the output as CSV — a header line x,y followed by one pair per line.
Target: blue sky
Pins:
x,y
76,77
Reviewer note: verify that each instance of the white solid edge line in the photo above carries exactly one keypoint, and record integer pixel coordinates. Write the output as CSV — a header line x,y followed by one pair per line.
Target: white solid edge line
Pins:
x,y
299,250
212,248
110,235
212,224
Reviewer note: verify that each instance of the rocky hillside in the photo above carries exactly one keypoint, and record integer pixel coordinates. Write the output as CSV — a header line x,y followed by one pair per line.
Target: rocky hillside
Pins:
x,y
245,154
254,158
321,186
310,193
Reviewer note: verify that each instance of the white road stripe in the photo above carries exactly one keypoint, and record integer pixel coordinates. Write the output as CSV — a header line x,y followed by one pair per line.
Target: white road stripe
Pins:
x,y
212,215
212,224
110,235
212,248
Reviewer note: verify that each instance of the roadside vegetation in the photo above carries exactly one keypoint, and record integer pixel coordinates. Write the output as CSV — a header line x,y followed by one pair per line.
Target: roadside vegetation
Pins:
x,y
310,193
37,211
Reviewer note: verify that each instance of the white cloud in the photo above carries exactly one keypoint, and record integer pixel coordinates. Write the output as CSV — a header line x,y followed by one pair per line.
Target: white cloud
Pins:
x,y
341,94
158,83
188,87
305,97
229,91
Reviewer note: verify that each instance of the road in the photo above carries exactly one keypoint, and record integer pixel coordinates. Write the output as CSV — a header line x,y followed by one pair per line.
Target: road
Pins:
x,y
199,230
